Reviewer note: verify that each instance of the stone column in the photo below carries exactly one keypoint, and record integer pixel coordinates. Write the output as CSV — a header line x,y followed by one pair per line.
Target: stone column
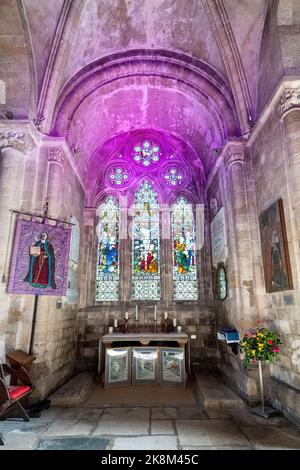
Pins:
x,y
125,253
166,261
289,110
89,258
241,279
13,149
56,159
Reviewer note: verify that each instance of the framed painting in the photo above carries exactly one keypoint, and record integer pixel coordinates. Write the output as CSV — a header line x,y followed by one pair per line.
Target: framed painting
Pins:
x,y
145,365
172,366
117,367
276,261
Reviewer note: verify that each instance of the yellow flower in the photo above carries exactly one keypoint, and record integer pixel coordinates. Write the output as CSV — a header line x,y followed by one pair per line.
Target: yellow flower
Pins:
x,y
253,352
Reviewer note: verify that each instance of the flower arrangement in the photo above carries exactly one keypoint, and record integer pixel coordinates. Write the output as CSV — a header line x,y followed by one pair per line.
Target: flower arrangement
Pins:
x,y
260,344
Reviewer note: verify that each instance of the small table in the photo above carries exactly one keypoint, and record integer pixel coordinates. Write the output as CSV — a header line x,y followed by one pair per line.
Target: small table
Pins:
x,y
144,339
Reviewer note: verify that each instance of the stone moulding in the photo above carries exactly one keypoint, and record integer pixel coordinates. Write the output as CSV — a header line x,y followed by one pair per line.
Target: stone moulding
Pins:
x,y
19,140
289,99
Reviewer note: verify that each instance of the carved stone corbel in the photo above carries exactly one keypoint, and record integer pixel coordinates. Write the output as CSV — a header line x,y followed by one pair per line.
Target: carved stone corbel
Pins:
x,y
56,155
19,140
290,99
234,152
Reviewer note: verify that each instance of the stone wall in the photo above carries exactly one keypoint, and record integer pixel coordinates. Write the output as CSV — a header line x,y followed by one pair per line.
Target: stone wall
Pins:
x,y
270,172
275,155
30,176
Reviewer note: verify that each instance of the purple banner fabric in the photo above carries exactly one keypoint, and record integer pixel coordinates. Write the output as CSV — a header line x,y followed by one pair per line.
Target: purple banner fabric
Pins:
x,y
39,264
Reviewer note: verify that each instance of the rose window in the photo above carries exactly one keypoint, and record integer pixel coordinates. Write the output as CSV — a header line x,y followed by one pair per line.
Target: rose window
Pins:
x,y
146,153
173,176
118,176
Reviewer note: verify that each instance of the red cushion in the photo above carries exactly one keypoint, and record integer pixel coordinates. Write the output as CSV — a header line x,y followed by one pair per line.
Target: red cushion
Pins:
x,y
16,392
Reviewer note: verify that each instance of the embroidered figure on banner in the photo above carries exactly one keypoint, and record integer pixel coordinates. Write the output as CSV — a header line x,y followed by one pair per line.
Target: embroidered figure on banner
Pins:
x,y
42,264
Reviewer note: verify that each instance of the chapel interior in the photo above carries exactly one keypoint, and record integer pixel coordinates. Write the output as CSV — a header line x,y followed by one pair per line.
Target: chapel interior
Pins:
x,y
159,141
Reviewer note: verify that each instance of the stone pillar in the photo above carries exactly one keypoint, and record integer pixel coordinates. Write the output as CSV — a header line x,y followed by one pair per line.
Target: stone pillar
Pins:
x,y
56,159
13,149
89,258
166,261
241,279
289,110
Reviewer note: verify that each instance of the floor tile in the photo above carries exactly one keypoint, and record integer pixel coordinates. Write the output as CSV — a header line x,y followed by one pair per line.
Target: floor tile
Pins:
x,y
146,443
209,433
124,422
162,426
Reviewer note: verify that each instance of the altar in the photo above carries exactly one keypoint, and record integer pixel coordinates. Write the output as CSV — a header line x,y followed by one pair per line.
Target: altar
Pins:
x,y
141,358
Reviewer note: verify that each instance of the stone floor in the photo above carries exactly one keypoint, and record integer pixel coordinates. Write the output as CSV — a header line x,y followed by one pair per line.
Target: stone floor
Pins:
x,y
149,428
216,418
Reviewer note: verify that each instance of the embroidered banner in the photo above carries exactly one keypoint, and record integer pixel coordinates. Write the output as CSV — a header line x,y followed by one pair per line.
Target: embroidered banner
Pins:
x,y
39,264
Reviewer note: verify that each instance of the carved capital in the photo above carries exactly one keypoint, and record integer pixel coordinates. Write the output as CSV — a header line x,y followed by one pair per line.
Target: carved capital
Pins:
x,y
56,155
21,141
234,152
289,99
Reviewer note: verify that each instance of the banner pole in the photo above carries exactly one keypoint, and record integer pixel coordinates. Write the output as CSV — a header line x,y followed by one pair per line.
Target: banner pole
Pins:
x,y
36,298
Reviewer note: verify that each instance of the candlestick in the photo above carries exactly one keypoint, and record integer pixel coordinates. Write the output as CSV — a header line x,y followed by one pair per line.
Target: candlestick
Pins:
x,y
110,329
126,315
155,317
136,313
166,325
174,322
116,323
166,315
179,328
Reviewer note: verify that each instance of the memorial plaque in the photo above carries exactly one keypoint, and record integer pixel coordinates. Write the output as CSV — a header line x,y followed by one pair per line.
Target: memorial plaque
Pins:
x,y
218,238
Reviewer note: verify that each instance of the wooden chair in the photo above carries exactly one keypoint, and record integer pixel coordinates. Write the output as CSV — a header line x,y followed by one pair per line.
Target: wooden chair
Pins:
x,y
10,395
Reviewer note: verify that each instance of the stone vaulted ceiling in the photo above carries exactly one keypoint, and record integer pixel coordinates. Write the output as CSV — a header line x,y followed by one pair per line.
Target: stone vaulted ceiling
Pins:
x,y
99,69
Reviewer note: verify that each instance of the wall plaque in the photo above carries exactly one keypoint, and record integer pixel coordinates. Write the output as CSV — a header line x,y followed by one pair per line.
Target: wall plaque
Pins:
x,y
218,238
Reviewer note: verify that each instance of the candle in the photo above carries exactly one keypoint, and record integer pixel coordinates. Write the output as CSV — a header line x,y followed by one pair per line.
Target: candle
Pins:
x,y
126,315
110,329
174,322
136,313
116,323
166,315
155,317
178,329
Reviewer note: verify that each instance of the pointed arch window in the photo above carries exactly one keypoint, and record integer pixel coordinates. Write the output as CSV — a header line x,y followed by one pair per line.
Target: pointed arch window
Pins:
x,y
145,245
107,275
184,257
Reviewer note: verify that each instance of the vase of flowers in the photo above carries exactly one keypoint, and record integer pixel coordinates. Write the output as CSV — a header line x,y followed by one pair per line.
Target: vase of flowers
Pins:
x,y
261,345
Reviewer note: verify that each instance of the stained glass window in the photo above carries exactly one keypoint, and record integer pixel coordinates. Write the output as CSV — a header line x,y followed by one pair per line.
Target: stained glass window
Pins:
x,y
118,176
222,283
107,276
184,257
145,245
173,176
146,153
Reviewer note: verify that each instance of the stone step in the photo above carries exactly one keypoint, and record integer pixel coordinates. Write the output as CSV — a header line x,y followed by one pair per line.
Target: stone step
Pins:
x,y
214,393
73,392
